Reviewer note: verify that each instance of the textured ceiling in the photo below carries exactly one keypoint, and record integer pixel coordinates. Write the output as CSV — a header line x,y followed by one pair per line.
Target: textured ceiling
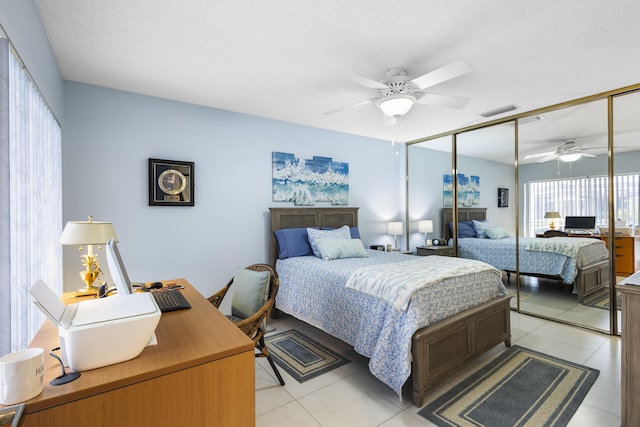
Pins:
x,y
284,60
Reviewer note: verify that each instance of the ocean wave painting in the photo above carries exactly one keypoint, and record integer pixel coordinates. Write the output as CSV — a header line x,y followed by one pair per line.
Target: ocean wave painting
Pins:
x,y
468,190
307,181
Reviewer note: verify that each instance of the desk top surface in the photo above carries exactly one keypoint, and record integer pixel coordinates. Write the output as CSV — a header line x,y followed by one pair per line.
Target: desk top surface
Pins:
x,y
186,338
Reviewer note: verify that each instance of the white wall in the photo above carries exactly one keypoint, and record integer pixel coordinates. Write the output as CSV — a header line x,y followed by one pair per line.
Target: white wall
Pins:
x,y
109,136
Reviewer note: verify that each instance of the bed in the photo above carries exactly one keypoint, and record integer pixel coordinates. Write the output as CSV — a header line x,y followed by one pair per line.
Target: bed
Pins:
x,y
442,328
582,263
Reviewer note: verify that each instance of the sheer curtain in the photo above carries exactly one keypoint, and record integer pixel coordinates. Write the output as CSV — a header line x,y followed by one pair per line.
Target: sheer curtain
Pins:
x,y
31,221
585,196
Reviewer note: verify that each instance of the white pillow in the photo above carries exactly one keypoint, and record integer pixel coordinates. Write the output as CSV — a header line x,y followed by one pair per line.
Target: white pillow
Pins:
x,y
496,232
315,235
341,248
480,227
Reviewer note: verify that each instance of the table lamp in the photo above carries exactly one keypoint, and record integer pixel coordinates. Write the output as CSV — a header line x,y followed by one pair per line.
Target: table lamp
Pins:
x,y
552,215
88,233
395,228
425,226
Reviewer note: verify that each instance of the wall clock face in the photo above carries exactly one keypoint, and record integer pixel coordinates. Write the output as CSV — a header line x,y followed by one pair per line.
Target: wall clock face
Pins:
x,y
172,182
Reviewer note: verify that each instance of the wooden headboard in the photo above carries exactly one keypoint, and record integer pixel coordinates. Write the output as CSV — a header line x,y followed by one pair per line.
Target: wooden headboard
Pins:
x,y
464,214
308,217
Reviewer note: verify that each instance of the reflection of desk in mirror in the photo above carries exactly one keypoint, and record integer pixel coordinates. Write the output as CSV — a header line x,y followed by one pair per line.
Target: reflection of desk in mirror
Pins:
x,y
627,251
201,372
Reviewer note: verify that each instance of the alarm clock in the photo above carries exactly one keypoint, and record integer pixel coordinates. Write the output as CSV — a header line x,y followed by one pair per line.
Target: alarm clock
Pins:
x,y
436,242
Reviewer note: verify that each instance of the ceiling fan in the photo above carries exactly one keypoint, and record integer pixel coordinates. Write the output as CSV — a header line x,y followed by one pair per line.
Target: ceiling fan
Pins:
x,y
567,152
397,92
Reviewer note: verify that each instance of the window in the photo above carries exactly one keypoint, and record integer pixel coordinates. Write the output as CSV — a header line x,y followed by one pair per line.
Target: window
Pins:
x,y
585,196
31,221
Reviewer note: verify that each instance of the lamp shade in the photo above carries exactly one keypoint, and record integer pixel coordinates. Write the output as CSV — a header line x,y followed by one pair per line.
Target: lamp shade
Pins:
x,y
394,227
396,105
425,226
87,233
552,215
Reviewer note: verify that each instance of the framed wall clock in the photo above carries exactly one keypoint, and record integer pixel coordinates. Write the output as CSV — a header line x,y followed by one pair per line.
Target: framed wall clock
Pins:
x,y
170,183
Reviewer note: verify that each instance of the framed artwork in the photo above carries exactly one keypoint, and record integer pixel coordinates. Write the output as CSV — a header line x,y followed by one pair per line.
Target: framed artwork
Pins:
x,y
468,190
503,197
170,183
307,181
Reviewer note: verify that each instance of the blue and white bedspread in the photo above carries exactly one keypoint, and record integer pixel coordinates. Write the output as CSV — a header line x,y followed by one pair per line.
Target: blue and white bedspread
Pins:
x,y
501,254
314,291
397,282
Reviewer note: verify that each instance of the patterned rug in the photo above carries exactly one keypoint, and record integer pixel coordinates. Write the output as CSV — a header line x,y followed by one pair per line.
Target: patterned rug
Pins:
x,y
601,300
302,357
520,387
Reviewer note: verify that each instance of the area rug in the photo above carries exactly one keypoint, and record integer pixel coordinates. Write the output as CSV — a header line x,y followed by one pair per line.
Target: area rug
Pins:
x,y
302,357
520,387
601,300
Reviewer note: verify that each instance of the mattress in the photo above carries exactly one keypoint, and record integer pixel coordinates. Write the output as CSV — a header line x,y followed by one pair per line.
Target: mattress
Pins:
x,y
313,290
501,253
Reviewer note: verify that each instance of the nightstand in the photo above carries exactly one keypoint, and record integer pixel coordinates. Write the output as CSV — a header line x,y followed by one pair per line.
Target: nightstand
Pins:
x,y
434,250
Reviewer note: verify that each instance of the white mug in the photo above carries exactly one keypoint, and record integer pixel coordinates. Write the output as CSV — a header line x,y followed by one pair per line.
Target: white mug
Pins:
x,y
21,375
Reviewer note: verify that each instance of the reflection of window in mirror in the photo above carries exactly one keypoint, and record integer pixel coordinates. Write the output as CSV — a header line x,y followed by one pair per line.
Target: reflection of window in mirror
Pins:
x,y
563,165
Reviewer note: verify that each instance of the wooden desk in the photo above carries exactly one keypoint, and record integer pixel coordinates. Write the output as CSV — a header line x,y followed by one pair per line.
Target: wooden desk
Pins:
x,y
201,372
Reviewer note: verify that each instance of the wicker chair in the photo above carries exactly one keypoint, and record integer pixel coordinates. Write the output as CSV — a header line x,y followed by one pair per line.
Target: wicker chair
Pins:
x,y
555,233
255,325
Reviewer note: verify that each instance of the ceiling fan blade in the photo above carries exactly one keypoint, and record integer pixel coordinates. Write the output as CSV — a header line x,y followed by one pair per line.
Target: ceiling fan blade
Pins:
x,y
364,81
346,107
549,157
587,155
448,101
533,156
442,74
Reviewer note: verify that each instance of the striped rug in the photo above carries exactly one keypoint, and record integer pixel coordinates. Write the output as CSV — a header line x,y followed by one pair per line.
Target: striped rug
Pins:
x,y
302,357
520,387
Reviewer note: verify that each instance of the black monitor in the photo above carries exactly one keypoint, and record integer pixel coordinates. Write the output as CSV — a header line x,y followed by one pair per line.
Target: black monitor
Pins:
x,y
579,222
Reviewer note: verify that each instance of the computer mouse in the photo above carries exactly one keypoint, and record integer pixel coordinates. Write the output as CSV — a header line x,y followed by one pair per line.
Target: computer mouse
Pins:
x,y
154,285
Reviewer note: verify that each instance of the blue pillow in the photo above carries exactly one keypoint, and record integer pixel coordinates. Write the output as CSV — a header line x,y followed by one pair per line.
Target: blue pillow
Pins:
x,y
465,229
315,235
480,227
293,242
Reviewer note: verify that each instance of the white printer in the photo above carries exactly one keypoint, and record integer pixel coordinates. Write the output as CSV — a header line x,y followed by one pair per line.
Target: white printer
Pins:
x,y
99,332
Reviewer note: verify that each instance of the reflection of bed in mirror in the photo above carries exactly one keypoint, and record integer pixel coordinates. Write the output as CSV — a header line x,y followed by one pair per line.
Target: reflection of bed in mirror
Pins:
x,y
443,326
579,262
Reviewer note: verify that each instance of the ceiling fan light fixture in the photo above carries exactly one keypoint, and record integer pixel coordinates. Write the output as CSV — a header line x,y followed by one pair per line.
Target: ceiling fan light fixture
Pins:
x,y
396,105
571,157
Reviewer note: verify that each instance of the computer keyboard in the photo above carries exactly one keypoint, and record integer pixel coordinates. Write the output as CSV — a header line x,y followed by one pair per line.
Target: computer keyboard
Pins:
x,y
170,300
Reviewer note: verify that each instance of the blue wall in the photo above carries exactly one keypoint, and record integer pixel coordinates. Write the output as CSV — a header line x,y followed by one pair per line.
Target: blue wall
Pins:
x,y
109,136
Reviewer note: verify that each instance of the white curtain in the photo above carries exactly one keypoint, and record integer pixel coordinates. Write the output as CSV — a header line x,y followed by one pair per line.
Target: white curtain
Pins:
x,y
582,196
31,194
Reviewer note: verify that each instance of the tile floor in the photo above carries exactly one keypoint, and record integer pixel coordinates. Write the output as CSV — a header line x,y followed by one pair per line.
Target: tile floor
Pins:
x,y
351,396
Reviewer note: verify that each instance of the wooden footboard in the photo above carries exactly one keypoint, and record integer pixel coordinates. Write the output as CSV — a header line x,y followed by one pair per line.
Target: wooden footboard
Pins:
x,y
591,279
441,349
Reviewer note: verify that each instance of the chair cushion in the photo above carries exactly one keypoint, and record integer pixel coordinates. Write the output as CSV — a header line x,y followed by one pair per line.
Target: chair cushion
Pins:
x,y
250,292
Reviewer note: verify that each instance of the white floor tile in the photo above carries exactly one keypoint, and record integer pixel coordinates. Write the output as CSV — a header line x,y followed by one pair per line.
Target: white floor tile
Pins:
x,y
351,396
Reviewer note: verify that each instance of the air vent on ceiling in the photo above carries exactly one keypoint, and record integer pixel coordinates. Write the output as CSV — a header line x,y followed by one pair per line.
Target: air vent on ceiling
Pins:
x,y
498,111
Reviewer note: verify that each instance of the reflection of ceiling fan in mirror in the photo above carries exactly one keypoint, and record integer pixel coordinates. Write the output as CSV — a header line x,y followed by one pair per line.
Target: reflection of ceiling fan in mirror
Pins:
x,y
397,92
567,152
